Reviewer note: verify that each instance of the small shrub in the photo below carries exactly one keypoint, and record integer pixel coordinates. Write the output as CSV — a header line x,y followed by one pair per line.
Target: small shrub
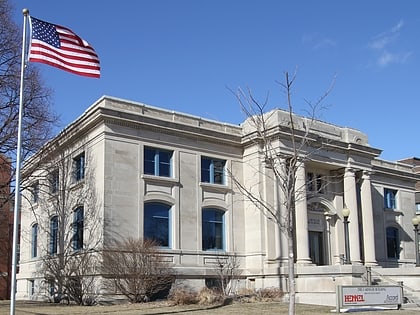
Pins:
x,y
207,296
182,296
138,269
268,294
246,292
90,300
263,295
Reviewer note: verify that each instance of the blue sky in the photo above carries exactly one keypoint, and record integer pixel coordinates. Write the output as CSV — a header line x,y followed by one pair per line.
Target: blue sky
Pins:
x,y
186,55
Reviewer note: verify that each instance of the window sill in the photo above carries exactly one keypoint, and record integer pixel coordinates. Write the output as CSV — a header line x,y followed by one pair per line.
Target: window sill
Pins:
x,y
394,211
214,187
214,251
160,179
77,184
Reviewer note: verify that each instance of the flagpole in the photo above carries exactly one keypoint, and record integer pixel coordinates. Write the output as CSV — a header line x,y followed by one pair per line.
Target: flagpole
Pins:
x,y
17,177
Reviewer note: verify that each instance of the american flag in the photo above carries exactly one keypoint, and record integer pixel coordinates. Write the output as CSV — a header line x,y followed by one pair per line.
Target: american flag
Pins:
x,y
59,47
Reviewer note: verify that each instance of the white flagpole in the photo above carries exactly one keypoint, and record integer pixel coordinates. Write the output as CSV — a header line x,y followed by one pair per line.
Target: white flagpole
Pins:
x,y
17,178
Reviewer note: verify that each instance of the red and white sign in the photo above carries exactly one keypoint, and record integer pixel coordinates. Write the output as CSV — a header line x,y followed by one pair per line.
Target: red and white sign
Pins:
x,y
371,295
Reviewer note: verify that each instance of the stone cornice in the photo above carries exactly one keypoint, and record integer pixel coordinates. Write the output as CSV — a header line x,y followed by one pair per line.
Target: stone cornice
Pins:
x,y
394,169
129,120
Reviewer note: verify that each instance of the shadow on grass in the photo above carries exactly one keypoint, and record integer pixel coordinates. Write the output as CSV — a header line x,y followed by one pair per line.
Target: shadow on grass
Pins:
x,y
189,310
37,308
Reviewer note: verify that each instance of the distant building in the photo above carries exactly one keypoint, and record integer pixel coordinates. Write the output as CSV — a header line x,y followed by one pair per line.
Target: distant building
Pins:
x,y
415,163
6,228
165,175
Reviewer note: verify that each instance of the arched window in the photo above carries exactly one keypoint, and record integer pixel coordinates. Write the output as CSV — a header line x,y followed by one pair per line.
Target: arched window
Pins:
x,y
213,229
392,243
157,223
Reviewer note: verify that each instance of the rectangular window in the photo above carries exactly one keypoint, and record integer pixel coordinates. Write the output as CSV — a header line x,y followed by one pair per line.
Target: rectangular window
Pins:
x,y
310,182
31,287
315,183
34,243
417,207
35,192
78,225
79,167
157,162
390,198
53,235
54,181
392,243
212,170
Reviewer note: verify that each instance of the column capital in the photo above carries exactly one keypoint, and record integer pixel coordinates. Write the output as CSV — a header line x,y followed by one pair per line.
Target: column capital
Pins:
x,y
366,174
328,215
349,171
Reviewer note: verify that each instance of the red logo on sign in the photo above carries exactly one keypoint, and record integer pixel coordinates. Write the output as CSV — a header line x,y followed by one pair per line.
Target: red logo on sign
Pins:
x,y
348,298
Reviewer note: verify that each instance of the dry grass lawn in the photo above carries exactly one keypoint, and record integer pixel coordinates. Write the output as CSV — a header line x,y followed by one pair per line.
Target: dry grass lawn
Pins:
x,y
27,308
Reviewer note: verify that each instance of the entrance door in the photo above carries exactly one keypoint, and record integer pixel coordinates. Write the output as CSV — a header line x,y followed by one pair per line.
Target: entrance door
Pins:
x,y
316,247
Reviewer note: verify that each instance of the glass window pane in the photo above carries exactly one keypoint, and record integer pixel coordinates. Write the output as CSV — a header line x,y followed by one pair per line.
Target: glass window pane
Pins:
x,y
390,198
310,183
78,229
392,243
35,240
156,223
165,163
212,229
319,184
212,171
79,167
157,162
54,181
205,170
149,161
53,235
35,192
219,167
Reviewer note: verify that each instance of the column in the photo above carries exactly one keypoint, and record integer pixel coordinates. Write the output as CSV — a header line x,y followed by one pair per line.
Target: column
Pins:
x,y
328,218
281,230
350,200
301,217
367,220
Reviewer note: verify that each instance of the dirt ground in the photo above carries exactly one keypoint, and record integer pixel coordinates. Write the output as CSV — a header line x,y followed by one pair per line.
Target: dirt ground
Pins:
x,y
35,308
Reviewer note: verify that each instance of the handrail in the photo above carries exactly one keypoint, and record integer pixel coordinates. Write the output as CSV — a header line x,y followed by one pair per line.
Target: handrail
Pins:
x,y
392,280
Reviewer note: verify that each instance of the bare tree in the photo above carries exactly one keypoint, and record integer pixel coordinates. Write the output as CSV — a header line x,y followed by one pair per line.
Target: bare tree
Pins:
x,y
5,229
228,270
137,269
39,119
283,163
66,209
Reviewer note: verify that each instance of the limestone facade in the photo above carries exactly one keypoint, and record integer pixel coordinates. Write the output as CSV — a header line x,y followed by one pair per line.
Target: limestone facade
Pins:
x,y
144,158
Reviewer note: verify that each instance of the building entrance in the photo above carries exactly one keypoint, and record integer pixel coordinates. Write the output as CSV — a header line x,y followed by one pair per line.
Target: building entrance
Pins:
x,y
316,248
